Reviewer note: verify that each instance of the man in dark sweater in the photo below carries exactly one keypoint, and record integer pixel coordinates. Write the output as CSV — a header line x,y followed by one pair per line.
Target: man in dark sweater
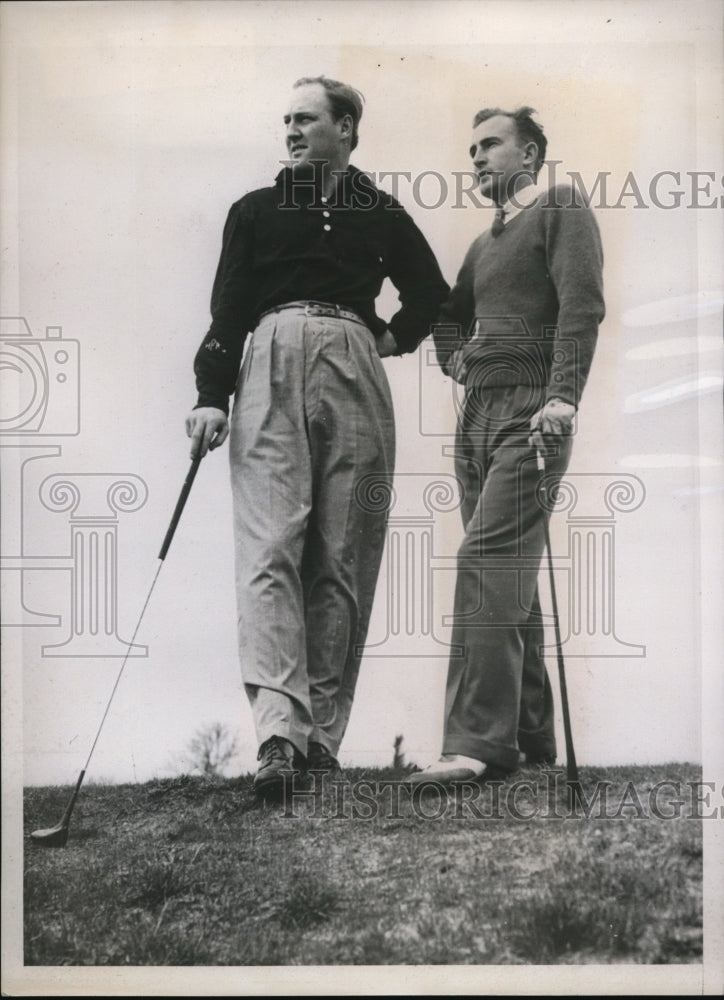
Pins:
x,y
519,331
312,440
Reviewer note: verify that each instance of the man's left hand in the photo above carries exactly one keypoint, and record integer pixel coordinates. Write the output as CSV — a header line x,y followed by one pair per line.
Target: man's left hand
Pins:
x,y
386,344
554,420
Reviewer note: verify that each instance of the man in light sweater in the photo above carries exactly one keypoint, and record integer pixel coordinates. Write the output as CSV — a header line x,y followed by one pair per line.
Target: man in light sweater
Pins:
x,y
519,331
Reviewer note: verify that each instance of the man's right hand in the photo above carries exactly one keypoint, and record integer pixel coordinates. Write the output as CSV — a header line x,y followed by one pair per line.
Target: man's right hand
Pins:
x,y
208,427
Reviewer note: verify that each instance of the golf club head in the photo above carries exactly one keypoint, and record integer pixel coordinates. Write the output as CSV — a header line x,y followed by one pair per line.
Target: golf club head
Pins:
x,y
53,836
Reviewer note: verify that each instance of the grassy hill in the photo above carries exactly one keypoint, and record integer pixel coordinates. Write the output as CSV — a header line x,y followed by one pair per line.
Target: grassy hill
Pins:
x,y
193,871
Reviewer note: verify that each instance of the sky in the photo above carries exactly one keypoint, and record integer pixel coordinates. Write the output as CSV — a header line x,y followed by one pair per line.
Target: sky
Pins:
x,y
129,130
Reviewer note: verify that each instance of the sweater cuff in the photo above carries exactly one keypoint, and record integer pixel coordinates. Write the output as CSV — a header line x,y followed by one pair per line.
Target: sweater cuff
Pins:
x,y
218,402
564,395
561,396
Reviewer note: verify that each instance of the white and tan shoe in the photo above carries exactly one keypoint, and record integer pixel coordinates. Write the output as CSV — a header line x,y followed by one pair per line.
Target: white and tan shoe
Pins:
x,y
448,769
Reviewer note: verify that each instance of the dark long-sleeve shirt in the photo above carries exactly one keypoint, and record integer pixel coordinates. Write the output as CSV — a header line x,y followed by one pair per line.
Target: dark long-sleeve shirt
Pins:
x,y
286,243
526,306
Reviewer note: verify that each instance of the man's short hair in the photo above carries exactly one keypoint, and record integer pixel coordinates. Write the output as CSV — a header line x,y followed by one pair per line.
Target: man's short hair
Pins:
x,y
528,130
343,100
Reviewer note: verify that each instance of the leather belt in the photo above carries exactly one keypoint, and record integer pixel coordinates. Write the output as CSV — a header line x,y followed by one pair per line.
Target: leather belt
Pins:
x,y
312,308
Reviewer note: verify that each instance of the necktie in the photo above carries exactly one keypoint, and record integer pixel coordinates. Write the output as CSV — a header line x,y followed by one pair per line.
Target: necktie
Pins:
x,y
498,222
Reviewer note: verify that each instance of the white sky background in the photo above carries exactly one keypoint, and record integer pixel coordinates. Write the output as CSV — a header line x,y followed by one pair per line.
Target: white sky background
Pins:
x,y
131,128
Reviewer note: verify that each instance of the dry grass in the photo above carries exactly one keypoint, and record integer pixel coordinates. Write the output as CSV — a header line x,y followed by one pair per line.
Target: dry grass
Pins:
x,y
193,871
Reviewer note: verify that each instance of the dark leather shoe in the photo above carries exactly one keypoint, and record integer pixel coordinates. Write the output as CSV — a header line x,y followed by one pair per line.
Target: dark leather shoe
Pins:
x,y
320,759
279,762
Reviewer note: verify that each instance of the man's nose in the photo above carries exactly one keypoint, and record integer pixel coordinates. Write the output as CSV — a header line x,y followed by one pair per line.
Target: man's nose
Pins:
x,y
292,130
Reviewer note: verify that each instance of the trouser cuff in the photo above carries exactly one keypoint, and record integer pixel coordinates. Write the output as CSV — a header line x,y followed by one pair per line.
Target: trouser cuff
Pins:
x,y
540,748
319,736
295,736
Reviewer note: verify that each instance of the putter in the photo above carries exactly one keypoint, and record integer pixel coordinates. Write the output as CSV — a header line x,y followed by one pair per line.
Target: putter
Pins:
x,y
572,780
57,836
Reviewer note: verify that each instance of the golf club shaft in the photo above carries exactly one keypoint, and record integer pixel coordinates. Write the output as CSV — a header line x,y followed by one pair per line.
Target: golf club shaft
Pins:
x,y
69,808
181,503
123,664
183,497
571,766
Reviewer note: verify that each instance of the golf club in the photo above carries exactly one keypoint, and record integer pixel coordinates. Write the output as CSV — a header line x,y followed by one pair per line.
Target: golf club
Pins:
x,y
57,836
572,780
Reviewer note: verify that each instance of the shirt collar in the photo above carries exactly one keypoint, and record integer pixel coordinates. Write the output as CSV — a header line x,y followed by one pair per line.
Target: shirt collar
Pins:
x,y
520,200
306,193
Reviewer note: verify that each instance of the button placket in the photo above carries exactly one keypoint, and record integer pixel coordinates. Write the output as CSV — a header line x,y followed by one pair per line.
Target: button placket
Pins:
x,y
325,214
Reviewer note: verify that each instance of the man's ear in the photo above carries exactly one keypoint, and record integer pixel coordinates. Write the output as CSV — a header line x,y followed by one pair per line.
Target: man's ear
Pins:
x,y
346,126
530,154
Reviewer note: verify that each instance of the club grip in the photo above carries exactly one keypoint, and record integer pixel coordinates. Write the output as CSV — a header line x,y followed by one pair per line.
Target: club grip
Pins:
x,y
180,504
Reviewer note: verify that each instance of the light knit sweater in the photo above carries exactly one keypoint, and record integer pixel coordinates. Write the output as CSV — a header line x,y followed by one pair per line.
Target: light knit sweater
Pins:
x,y
527,304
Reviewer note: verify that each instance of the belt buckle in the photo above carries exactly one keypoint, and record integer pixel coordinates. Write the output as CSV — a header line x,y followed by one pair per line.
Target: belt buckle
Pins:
x,y
321,309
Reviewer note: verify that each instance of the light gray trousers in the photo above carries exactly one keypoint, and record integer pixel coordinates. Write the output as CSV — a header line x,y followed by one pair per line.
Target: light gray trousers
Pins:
x,y
312,451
